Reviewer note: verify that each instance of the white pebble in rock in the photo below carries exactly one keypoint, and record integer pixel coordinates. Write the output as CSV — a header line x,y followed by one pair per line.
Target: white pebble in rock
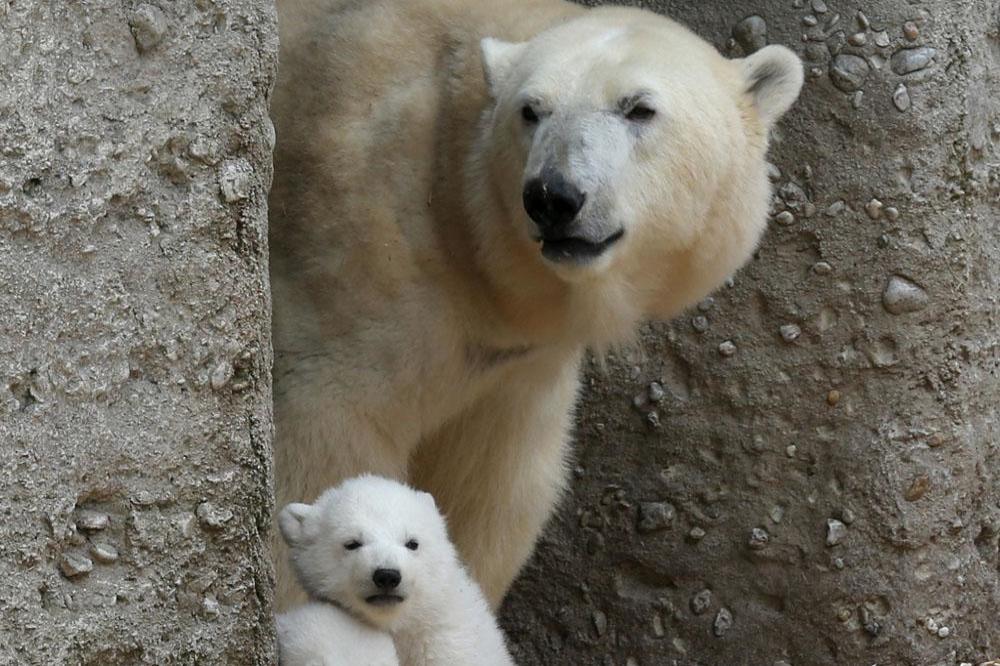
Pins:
x,y
696,534
212,516
874,209
727,348
822,268
790,333
836,531
74,565
944,632
700,324
655,516
902,296
759,538
656,393
234,180
723,622
221,375
701,602
784,218
600,622
92,521
104,553
901,97
149,25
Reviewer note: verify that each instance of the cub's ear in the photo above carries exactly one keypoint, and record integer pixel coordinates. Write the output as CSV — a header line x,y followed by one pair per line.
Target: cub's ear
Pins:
x,y
773,79
498,61
291,521
427,499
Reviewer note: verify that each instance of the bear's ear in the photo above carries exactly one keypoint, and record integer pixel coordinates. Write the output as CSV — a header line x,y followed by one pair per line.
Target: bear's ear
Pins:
x,y
773,79
498,61
292,520
427,499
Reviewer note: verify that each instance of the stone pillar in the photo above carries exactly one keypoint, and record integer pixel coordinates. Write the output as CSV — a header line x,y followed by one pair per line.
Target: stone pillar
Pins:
x,y
805,469
135,419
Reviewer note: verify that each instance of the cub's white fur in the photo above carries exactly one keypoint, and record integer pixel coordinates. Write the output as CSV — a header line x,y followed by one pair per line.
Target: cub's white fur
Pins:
x,y
370,529
321,634
428,326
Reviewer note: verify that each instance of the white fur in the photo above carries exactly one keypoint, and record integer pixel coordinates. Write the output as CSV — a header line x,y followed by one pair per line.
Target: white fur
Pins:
x,y
321,634
419,332
442,619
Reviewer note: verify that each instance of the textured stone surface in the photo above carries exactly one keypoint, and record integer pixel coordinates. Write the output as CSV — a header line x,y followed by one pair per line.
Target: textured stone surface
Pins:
x,y
134,160
883,425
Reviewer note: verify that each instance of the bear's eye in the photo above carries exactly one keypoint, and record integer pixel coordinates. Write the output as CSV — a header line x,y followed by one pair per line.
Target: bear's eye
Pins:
x,y
640,112
412,544
528,114
353,544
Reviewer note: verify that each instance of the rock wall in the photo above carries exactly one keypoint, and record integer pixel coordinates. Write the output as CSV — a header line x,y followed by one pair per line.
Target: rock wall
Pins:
x,y
805,469
134,332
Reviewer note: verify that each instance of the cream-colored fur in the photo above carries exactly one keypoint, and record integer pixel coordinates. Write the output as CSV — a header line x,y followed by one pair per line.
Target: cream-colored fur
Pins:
x,y
419,332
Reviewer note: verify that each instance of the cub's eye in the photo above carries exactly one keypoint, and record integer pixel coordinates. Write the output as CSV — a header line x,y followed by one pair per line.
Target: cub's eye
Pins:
x,y
640,113
412,544
528,114
354,544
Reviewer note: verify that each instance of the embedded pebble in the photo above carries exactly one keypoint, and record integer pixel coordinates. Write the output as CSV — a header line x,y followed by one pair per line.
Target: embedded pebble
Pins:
x,y
73,565
791,450
848,72
857,39
862,20
809,21
234,181
943,632
911,31
833,398
882,39
600,622
701,602
836,208
727,348
912,60
723,622
221,375
902,296
653,419
104,553
822,268
776,514
706,305
658,630
839,563
901,97
931,624
819,6
918,488
836,531
656,393
697,533
874,209
759,538
784,218
790,332
212,516
892,214
700,324
847,516
654,516
149,25
773,172
751,34
92,521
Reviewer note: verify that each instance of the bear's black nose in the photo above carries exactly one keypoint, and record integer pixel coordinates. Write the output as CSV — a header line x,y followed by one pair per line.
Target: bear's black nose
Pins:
x,y
552,202
387,579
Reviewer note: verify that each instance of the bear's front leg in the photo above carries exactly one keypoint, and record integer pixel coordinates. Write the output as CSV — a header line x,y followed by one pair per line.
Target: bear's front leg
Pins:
x,y
498,469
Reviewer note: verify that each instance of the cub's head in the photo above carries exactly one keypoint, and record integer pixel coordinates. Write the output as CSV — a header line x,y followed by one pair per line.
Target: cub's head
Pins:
x,y
621,140
370,545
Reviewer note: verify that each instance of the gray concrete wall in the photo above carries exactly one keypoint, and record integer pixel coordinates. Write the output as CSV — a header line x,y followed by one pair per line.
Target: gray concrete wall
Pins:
x,y
805,469
134,346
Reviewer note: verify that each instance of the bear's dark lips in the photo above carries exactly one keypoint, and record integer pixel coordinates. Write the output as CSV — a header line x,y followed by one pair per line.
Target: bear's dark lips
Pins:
x,y
385,599
577,249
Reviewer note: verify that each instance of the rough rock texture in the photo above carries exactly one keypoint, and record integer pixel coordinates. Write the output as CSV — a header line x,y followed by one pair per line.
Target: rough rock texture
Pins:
x,y
134,345
805,469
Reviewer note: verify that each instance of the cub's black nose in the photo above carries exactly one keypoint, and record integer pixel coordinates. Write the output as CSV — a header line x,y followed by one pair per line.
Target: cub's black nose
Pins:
x,y
387,579
552,202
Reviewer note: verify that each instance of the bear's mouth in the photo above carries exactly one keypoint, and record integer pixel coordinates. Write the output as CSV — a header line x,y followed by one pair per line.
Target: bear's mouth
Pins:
x,y
577,249
384,599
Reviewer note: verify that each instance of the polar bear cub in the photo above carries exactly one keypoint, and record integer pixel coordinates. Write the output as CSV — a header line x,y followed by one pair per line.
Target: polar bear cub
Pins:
x,y
374,553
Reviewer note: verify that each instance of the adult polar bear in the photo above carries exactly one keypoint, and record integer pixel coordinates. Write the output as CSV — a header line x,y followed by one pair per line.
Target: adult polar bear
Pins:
x,y
455,218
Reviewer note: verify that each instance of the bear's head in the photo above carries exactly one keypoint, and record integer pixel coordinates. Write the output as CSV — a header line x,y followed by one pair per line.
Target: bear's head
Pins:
x,y
625,150
370,546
